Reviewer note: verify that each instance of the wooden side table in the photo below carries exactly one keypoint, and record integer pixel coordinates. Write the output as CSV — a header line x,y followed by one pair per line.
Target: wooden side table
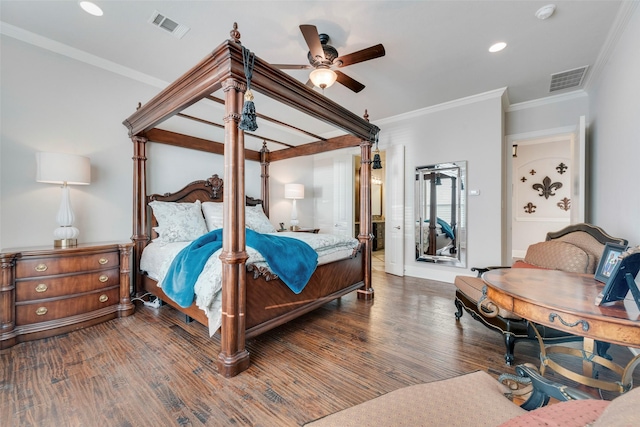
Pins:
x,y
303,230
566,301
47,291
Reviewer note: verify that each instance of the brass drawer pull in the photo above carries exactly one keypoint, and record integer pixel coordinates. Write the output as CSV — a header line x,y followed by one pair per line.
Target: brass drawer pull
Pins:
x,y
41,311
41,267
103,261
103,298
103,278
41,288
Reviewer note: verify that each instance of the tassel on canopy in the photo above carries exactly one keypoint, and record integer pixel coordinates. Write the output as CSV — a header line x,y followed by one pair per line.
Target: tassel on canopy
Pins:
x,y
248,119
377,163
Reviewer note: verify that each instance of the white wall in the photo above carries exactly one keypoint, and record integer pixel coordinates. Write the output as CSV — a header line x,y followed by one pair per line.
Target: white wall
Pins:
x,y
299,171
469,129
615,137
51,102
545,116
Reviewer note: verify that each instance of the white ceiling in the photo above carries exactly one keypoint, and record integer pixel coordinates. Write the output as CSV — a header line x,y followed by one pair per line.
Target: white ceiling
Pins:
x,y
436,51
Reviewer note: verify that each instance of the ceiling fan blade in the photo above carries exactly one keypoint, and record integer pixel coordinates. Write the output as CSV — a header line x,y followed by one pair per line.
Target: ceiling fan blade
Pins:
x,y
310,83
362,55
347,81
291,66
311,36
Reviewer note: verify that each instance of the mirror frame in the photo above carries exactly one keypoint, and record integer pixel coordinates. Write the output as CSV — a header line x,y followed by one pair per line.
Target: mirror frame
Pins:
x,y
448,238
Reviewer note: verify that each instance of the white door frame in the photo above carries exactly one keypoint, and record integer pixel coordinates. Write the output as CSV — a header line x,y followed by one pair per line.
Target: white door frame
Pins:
x,y
394,210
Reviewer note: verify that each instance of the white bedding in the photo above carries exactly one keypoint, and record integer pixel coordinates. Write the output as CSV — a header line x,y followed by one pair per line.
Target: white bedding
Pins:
x,y
156,259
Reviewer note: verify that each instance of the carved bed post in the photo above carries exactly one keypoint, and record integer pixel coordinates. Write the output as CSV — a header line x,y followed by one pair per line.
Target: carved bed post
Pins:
x,y
139,237
233,357
366,226
264,174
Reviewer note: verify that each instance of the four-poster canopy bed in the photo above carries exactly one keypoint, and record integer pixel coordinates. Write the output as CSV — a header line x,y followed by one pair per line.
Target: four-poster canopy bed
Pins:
x,y
251,303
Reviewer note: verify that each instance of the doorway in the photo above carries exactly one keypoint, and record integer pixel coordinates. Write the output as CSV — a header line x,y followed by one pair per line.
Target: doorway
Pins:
x,y
378,199
547,185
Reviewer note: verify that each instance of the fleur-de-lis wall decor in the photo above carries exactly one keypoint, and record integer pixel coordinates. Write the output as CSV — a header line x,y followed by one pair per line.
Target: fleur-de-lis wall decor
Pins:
x,y
523,179
547,188
564,204
530,208
562,168
532,172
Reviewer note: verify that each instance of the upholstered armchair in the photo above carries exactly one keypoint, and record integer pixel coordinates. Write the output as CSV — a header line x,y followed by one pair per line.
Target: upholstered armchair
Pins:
x,y
576,248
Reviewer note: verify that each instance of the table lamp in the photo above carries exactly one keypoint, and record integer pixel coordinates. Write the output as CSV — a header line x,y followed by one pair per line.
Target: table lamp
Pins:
x,y
65,169
294,192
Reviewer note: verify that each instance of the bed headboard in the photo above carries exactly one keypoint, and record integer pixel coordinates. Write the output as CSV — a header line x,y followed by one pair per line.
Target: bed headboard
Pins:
x,y
209,190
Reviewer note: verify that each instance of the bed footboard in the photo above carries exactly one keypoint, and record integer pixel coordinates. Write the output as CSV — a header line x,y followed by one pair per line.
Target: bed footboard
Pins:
x,y
270,303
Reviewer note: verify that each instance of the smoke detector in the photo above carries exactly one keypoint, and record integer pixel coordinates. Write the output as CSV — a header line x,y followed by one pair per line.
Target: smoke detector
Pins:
x,y
567,79
161,21
545,11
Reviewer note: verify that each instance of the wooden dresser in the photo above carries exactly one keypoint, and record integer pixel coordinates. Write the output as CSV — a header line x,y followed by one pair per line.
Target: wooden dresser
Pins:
x,y
48,291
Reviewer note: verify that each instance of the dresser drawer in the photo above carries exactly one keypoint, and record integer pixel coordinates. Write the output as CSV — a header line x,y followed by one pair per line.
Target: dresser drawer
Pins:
x,y
47,266
55,286
45,310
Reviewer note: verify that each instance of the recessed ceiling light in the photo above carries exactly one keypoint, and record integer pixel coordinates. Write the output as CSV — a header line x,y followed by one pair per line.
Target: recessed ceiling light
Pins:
x,y
91,8
545,11
497,47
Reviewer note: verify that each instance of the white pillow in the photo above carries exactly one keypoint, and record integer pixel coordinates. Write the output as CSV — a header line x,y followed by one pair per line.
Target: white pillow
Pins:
x,y
178,222
212,215
255,218
257,221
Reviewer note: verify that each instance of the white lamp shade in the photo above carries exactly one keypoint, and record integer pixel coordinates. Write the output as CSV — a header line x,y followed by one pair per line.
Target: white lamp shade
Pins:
x,y
323,77
294,191
59,168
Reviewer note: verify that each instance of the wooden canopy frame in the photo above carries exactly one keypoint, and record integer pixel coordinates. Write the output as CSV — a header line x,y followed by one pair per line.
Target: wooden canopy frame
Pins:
x,y
223,69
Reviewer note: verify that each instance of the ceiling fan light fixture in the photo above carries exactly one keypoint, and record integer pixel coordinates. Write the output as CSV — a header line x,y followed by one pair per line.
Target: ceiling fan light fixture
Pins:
x,y
323,77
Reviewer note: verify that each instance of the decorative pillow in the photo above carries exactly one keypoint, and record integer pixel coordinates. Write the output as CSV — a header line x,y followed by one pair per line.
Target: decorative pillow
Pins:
x,y
589,244
212,215
178,222
256,220
557,255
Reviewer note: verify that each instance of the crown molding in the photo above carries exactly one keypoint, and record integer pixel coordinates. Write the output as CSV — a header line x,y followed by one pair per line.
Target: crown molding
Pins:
x,y
77,54
497,93
548,100
626,11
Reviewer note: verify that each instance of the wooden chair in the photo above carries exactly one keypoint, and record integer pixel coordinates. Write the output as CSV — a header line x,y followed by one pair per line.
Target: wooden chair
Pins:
x,y
576,248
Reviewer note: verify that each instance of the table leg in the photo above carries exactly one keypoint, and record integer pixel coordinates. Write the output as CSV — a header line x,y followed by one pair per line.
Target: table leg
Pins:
x,y
587,364
589,359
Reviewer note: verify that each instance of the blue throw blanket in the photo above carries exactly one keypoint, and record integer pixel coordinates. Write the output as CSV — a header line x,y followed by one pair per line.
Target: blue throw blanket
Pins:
x,y
446,228
294,262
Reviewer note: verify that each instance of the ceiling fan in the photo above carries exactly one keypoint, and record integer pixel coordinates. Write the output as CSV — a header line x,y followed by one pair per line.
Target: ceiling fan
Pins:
x,y
324,58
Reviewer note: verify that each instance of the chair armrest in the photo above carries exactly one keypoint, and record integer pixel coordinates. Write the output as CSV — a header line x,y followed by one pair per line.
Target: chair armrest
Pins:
x,y
482,270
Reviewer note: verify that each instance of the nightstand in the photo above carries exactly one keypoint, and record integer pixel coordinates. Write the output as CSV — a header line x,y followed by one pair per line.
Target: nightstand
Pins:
x,y
47,291
304,230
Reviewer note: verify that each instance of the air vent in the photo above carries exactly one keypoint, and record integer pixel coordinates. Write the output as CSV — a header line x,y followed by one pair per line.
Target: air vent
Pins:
x,y
161,21
567,79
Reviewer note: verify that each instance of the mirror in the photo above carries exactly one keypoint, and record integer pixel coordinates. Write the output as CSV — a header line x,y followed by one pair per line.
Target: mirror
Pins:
x,y
440,203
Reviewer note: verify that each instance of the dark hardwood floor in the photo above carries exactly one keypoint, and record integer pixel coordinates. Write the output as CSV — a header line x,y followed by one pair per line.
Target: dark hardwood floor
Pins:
x,y
152,369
